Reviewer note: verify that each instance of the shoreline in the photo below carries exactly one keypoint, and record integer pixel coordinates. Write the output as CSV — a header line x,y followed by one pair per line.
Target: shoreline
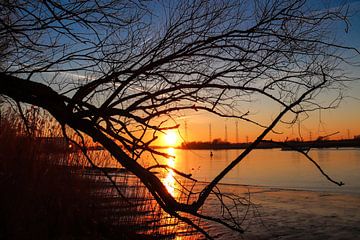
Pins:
x,y
296,189
285,146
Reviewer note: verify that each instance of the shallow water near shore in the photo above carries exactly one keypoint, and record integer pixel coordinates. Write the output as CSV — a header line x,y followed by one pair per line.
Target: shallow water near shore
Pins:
x,y
295,214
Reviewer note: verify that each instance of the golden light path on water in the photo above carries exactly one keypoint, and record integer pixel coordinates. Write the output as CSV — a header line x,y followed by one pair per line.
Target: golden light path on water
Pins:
x,y
169,180
172,186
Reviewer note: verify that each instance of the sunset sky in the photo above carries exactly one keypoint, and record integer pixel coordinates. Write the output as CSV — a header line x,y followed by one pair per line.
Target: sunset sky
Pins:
x,y
345,119
195,125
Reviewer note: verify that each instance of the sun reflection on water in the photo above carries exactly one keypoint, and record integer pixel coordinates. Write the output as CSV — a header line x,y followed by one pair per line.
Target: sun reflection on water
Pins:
x,y
175,188
169,179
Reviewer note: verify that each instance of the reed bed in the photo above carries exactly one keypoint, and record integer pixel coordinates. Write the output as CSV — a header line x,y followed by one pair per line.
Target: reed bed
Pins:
x,y
48,192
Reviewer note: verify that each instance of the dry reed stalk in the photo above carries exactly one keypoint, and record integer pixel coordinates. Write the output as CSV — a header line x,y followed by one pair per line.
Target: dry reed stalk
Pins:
x,y
49,192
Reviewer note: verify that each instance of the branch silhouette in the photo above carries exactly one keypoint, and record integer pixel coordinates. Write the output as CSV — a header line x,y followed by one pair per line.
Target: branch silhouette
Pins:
x,y
120,72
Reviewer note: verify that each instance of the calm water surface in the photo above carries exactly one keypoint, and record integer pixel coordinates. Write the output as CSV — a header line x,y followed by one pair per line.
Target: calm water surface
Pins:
x,y
275,168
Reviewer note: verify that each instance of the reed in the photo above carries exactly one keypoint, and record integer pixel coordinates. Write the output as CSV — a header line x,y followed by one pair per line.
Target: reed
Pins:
x,y
52,194
39,199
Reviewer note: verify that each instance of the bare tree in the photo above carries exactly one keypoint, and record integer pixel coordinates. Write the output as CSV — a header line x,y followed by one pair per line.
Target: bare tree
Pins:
x,y
119,71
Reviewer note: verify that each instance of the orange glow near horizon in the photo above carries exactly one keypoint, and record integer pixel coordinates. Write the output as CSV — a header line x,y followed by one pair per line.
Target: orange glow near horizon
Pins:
x,y
343,120
195,126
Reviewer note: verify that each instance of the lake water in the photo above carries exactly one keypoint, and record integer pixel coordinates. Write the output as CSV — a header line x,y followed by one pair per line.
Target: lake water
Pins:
x,y
275,168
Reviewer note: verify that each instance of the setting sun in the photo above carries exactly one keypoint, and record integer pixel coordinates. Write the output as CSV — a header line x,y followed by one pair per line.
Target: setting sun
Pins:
x,y
171,138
